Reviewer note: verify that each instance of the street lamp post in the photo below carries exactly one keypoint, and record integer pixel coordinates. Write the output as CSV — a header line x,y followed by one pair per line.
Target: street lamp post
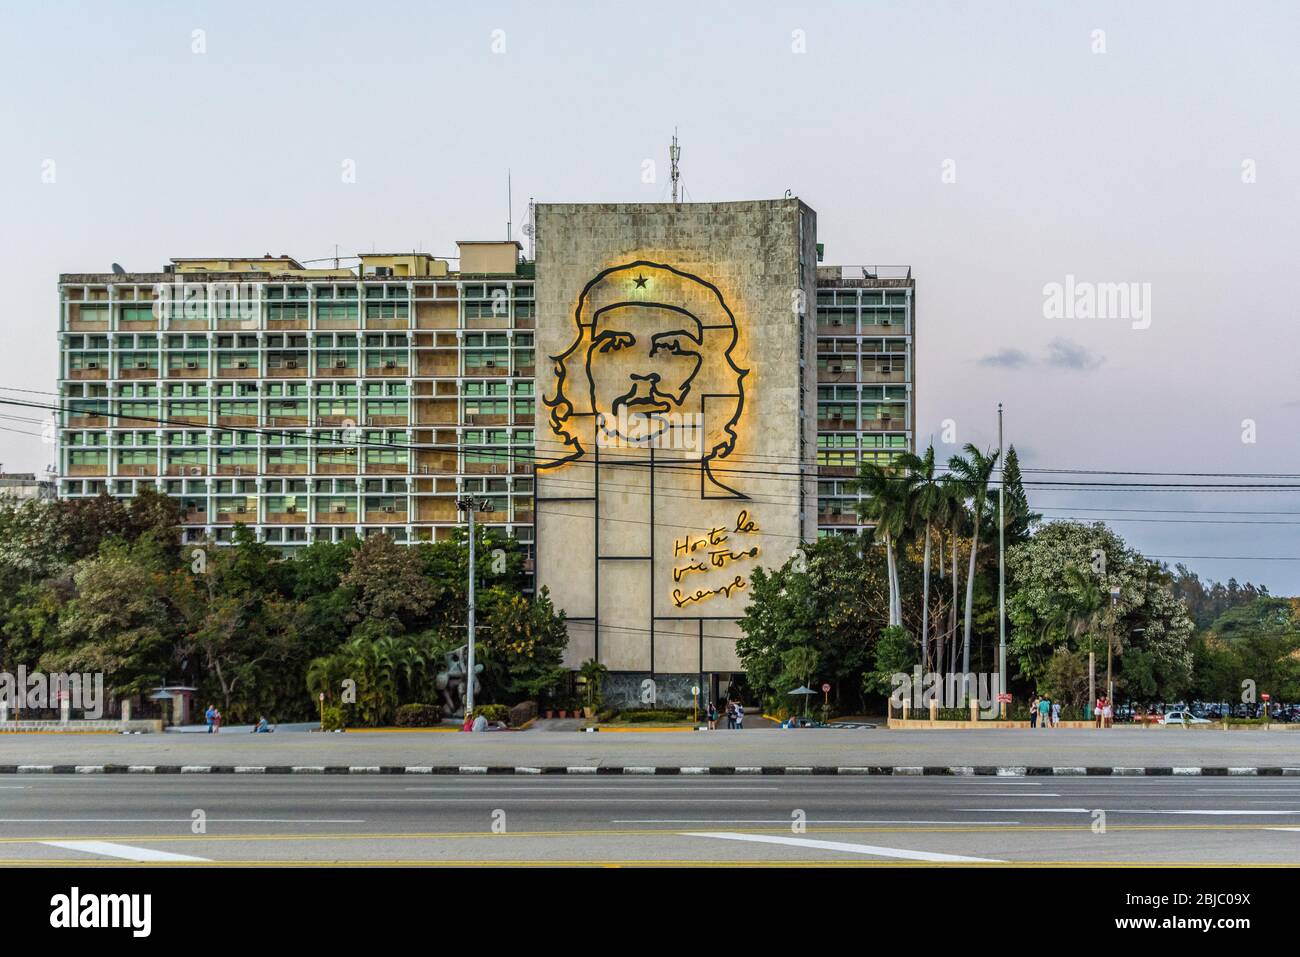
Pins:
x,y
1110,644
1002,574
470,506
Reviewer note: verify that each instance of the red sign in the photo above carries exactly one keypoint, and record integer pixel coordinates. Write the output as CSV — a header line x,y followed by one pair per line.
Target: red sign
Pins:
x,y
1005,697
1267,697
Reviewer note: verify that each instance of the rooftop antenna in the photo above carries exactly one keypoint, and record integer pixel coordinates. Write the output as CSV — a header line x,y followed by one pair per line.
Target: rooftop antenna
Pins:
x,y
675,154
336,257
510,232
529,229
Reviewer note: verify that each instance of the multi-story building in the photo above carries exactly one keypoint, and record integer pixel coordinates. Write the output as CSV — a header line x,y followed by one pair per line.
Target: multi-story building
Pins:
x,y
866,361
325,403
309,404
25,485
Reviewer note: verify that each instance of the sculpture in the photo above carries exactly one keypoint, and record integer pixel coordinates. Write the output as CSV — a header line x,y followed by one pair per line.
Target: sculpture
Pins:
x,y
451,680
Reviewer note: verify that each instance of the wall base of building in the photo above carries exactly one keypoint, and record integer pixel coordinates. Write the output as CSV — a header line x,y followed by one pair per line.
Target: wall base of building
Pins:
x,y
632,689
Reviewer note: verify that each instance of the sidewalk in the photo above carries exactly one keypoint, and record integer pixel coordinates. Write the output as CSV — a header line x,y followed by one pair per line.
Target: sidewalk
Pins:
x,y
1115,748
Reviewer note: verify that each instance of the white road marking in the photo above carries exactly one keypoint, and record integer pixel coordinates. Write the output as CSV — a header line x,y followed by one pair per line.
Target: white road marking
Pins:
x,y
786,820
180,820
553,799
544,789
870,849
125,851
1115,810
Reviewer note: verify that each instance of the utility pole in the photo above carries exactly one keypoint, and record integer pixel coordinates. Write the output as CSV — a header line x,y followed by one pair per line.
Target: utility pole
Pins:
x,y
470,506
674,155
1002,570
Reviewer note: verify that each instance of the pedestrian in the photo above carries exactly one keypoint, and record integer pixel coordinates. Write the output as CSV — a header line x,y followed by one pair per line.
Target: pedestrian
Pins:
x,y
216,720
740,716
1108,716
468,723
210,715
1097,710
731,715
711,713
1056,714
1044,712
1033,711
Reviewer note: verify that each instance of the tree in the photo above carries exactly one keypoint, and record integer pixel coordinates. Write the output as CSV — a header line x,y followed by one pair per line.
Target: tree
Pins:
x,y
888,507
118,624
973,474
524,640
1019,520
895,653
930,505
390,585
1054,590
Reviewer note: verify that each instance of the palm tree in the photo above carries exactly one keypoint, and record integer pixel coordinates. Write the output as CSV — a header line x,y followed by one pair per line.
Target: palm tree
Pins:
x,y
954,513
888,508
929,503
973,474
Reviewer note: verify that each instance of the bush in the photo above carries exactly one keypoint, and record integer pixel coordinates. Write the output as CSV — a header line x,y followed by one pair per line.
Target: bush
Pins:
x,y
662,714
418,715
493,712
522,713
334,718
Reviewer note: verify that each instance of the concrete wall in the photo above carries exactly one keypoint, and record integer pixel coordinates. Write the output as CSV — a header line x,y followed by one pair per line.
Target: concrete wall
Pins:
x,y
734,275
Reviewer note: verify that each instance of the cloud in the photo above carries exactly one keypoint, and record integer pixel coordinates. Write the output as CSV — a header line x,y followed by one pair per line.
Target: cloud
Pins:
x,y
1007,359
1064,354
1060,354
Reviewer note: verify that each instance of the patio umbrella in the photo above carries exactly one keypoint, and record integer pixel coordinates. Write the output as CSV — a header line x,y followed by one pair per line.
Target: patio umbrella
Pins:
x,y
805,691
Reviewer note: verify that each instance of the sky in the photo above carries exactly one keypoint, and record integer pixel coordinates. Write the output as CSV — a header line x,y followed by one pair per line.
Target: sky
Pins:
x,y
997,148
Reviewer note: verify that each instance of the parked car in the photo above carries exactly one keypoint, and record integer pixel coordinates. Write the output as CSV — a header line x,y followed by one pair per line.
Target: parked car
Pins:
x,y
1182,717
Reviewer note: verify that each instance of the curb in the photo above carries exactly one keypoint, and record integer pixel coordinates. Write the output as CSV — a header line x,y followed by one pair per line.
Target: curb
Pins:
x,y
804,770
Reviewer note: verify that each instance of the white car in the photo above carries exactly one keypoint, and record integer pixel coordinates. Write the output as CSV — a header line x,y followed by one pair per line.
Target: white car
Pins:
x,y
1183,717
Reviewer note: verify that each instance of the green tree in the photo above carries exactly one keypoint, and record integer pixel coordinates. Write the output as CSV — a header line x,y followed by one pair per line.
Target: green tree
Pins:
x,y
888,508
973,474
1019,519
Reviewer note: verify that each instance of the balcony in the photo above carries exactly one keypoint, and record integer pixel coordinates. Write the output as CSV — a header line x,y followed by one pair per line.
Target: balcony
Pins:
x,y
194,470
87,373
286,518
237,420
185,372
837,425
236,372
842,375
837,518
837,471
332,371
385,517
398,369
284,468
132,372
75,470
332,517
874,374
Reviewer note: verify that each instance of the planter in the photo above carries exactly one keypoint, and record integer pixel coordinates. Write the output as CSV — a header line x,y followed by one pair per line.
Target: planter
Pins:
x,y
589,713
563,713
550,713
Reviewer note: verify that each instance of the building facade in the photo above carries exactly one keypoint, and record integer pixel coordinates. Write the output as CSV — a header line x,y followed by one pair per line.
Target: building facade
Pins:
x,y
308,404
319,404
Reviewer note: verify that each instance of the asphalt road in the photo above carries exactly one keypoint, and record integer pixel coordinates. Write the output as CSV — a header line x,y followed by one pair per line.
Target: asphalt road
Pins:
x,y
1066,747
589,820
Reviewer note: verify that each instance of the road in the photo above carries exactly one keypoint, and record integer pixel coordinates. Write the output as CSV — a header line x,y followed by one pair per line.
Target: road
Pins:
x,y
599,820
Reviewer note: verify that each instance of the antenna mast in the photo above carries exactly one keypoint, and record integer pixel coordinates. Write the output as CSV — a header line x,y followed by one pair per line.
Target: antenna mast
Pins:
x,y
510,232
675,154
530,230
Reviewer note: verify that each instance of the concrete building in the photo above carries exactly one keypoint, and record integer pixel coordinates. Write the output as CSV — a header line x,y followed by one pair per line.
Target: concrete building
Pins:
x,y
25,485
866,401
326,403
309,404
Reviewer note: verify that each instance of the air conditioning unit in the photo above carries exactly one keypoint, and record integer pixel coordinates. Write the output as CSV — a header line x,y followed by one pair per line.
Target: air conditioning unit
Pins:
x,y
191,365
291,363
241,364
340,363
241,509
92,365
390,364
389,508
141,364
835,369
291,509
490,363
340,508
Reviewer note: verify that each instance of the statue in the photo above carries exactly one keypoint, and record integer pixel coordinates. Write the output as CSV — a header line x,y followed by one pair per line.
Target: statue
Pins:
x,y
451,680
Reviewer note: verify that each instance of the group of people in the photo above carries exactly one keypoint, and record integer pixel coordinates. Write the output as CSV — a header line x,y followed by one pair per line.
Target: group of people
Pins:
x,y
213,718
1044,712
1103,714
735,714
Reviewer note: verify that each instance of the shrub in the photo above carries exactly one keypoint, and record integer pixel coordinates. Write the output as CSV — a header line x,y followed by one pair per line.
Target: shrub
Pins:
x,y
418,715
522,713
334,718
662,714
493,712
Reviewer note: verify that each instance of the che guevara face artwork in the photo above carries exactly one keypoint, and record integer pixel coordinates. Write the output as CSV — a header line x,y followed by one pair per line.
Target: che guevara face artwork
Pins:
x,y
651,364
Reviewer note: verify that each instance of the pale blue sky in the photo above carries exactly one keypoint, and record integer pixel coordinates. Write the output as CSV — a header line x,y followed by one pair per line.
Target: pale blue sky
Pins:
x,y
1117,167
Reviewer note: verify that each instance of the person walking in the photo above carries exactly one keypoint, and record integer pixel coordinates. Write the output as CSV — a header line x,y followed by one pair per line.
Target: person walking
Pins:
x,y
1033,711
740,716
711,713
210,716
731,714
1108,715
1044,712
1056,714
1097,710
216,720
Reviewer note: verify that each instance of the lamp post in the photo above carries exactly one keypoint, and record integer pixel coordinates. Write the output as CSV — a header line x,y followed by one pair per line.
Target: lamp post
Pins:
x,y
469,506
1110,644
1002,573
